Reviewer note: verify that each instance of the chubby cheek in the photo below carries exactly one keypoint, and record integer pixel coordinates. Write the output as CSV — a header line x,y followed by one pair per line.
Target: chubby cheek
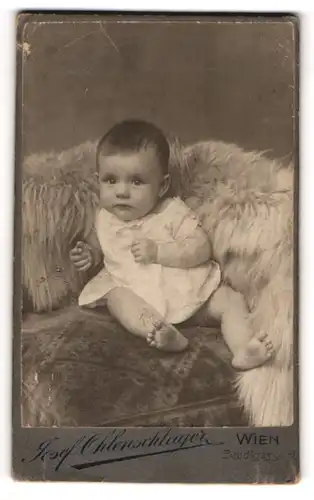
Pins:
x,y
105,194
147,197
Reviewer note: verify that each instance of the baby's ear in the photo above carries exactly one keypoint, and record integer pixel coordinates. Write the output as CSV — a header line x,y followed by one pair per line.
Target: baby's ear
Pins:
x,y
165,185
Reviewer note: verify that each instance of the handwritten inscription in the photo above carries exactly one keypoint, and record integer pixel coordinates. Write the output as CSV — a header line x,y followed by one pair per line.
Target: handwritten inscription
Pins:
x,y
101,449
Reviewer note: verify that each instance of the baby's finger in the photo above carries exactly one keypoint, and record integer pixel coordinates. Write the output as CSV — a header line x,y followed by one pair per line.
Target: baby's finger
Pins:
x,y
75,251
135,244
138,258
81,265
82,261
138,251
85,268
86,254
78,257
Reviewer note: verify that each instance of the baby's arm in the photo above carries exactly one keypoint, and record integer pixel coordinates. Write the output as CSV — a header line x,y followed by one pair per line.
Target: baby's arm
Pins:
x,y
185,252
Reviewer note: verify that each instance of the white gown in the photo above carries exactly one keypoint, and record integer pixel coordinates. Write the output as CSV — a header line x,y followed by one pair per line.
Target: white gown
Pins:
x,y
175,293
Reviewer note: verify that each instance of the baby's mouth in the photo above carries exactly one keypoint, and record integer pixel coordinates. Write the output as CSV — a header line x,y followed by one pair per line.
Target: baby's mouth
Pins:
x,y
123,206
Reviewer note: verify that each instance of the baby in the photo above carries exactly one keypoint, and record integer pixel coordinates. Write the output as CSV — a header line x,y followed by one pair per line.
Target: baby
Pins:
x,y
157,270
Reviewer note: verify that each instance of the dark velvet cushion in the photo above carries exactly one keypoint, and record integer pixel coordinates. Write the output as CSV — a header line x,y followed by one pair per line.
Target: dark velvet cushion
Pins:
x,y
80,368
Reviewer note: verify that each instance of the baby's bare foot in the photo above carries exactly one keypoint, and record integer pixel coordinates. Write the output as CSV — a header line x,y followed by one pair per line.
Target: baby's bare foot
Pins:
x,y
259,350
167,338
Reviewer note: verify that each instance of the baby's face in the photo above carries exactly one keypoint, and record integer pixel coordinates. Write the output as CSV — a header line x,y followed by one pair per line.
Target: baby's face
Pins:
x,y
131,184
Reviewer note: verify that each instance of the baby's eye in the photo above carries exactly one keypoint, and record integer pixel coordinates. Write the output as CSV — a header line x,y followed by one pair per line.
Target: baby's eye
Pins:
x,y
110,180
137,182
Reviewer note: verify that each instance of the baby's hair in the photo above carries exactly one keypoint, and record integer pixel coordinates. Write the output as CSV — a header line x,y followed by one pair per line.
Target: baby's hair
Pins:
x,y
131,136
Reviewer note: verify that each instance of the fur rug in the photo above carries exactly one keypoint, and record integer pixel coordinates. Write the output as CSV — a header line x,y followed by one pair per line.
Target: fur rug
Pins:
x,y
245,201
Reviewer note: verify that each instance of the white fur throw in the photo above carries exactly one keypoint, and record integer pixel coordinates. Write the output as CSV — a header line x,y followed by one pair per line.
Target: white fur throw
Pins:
x,y
245,201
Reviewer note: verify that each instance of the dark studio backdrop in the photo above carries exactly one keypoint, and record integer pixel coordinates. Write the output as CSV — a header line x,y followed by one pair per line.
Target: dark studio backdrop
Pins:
x,y
231,82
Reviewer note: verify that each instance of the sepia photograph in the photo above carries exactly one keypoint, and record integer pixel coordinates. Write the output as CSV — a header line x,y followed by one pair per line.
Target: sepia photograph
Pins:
x,y
156,224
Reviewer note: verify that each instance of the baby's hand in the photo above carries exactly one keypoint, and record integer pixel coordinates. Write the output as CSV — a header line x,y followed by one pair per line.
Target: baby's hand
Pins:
x,y
144,251
81,256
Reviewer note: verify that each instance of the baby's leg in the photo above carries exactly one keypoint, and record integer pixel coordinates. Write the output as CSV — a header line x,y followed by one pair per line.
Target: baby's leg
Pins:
x,y
229,307
142,319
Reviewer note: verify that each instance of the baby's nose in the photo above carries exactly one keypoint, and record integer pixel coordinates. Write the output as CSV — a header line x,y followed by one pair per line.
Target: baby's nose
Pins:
x,y
122,190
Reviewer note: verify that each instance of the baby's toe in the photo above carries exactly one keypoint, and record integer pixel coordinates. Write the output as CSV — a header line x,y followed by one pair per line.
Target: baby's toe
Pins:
x,y
262,336
151,337
157,326
270,351
267,341
269,354
152,341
